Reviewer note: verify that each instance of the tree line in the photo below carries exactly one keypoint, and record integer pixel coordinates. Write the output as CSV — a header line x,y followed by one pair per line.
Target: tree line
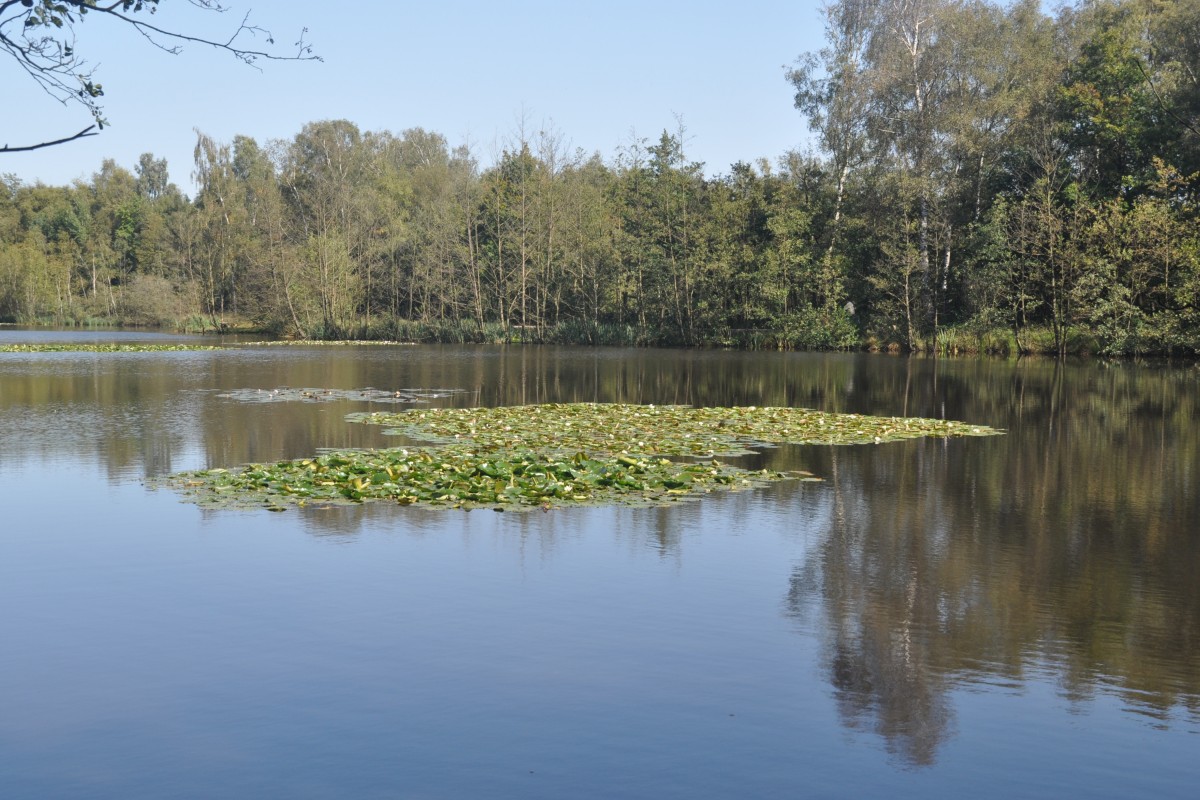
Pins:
x,y
988,177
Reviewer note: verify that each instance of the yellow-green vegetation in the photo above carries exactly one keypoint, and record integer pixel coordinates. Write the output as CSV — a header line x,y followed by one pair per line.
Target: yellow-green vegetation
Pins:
x,y
457,477
321,342
91,347
654,430
646,248
541,456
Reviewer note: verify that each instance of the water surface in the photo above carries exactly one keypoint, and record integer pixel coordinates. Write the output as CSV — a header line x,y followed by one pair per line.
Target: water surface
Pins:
x,y
997,617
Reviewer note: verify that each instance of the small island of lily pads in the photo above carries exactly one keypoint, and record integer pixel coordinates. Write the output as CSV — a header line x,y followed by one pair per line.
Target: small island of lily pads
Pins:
x,y
151,347
551,455
104,347
284,394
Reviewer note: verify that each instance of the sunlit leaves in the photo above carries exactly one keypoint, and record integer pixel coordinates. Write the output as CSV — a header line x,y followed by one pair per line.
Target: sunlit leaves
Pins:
x,y
457,477
655,430
550,455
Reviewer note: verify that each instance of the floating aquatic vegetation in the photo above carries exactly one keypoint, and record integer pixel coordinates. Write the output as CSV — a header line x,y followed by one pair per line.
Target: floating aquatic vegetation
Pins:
x,y
86,347
284,394
92,347
653,430
456,477
320,343
541,456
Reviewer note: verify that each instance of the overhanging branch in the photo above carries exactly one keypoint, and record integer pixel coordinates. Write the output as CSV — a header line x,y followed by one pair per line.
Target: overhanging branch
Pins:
x,y
40,36
88,131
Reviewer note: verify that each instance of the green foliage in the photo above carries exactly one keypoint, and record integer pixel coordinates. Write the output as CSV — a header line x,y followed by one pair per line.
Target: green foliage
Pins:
x,y
152,300
542,456
654,430
975,340
820,329
1002,176
457,478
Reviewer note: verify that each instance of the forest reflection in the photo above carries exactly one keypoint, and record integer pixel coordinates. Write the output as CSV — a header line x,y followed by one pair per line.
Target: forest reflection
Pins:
x,y
1066,547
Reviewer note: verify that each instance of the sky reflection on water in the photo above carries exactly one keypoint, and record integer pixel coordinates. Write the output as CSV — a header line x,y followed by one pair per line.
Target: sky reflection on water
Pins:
x,y
1011,616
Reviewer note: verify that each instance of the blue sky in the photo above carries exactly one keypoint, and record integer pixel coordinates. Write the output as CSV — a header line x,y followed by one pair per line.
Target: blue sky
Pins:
x,y
598,73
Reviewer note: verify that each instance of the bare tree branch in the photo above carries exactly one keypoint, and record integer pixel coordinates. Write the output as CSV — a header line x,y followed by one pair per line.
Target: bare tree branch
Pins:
x,y
243,54
40,36
88,131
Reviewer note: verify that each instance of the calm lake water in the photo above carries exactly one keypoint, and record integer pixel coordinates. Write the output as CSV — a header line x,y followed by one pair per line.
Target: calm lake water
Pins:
x,y
1013,616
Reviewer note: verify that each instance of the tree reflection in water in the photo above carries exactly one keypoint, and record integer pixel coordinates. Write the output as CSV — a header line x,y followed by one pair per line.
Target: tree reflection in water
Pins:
x,y
880,623
1064,552
1061,549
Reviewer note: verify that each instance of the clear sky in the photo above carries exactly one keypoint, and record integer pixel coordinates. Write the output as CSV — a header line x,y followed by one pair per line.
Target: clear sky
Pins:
x,y
598,73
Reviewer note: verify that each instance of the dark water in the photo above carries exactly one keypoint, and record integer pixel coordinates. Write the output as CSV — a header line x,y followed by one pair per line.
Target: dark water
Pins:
x,y
1016,616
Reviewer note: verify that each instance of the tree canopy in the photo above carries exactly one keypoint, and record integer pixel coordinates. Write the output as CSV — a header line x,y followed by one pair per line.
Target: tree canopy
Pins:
x,y
989,177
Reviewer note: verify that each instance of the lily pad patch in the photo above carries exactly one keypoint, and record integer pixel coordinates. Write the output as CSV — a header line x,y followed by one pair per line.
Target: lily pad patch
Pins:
x,y
461,478
544,456
92,347
654,430
285,394
324,343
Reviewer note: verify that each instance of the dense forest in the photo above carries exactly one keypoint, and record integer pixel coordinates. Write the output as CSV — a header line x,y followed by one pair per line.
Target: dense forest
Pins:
x,y
988,177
